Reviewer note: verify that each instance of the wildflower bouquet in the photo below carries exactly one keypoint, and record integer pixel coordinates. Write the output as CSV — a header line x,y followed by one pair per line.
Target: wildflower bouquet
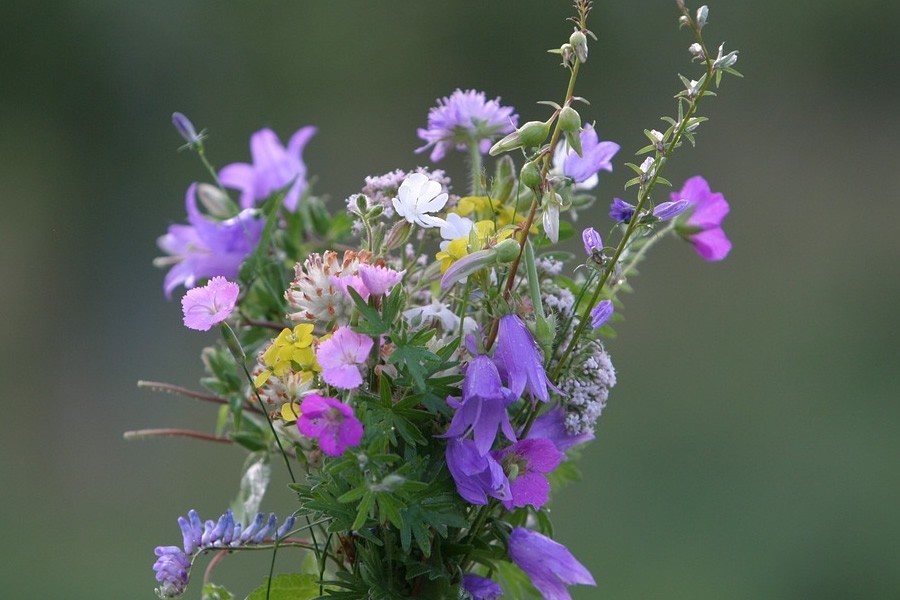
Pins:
x,y
424,363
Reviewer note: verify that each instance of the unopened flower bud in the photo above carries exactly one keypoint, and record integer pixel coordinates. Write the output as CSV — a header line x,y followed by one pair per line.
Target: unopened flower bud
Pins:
x,y
398,234
702,15
696,51
185,129
567,52
551,203
375,211
507,250
216,202
593,243
530,176
569,119
684,21
579,43
532,133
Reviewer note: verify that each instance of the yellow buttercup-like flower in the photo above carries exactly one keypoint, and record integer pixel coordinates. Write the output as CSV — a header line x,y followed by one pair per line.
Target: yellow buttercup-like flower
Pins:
x,y
482,233
290,348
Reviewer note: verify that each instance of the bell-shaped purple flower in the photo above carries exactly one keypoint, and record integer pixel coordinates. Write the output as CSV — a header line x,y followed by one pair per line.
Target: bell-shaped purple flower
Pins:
x,y
601,313
481,588
274,167
525,464
704,225
549,565
592,241
476,476
595,156
519,360
483,406
206,247
552,426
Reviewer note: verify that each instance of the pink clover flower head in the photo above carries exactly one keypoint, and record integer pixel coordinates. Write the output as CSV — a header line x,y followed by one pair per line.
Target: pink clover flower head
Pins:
x,y
464,118
340,357
549,565
596,156
525,464
206,306
344,282
379,280
519,360
331,422
207,247
703,227
274,167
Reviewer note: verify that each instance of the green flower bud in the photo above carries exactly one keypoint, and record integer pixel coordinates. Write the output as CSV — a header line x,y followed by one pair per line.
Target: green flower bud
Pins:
x,y
530,176
398,234
362,204
507,250
569,119
216,202
532,133
375,211
579,43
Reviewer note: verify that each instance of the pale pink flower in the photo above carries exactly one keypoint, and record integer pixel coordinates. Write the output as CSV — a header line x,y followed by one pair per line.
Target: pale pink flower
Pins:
x,y
205,306
340,357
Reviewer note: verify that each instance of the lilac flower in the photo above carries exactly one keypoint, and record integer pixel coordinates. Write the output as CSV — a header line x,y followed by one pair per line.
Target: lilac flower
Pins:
x,y
668,210
519,360
476,476
465,118
172,571
596,156
483,406
345,282
186,130
552,426
601,313
549,565
206,247
704,224
340,357
379,280
592,241
205,306
331,422
274,167
525,464
621,211
481,588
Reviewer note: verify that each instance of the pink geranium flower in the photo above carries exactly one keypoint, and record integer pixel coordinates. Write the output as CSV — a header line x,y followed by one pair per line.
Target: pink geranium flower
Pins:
x,y
205,306
340,357
703,228
331,422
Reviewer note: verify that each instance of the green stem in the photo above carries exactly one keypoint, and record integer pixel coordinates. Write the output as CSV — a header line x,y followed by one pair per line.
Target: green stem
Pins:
x,y
534,285
475,165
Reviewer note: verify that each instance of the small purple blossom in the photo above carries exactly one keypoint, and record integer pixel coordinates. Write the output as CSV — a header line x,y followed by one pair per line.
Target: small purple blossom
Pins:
x,y
172,571
519,360
340,357
476,476
465,118
621,211
525,464
592,241
704,224
186,130
549,565
668,210
379,280
596,156
481,588
483,406
207,247
206,306
274,167
601,313
331,422
552,426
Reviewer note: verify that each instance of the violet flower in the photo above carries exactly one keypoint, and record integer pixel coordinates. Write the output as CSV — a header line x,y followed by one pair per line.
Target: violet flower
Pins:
x,y
476,476
483,406
525,464
622,211
172,571
205,247
481,588
331,422
186,130
595,156
274,167
549,565
592,241
552,426
341,356
704,225
206,306
601,313
519,360
465,118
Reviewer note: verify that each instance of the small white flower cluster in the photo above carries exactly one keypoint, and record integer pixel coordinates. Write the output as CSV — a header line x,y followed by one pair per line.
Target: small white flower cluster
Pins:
x,y
586,387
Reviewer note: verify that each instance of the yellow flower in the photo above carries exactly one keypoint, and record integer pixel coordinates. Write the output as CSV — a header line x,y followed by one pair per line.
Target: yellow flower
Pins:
x,y
482,235
291,347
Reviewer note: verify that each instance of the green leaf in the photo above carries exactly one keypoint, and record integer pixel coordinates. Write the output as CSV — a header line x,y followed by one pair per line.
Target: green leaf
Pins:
x,y
289,587
515,582
362,513
211,591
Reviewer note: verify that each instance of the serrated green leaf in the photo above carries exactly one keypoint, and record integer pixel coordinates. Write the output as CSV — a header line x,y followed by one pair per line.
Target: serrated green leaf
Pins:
x,y
288,587
211,591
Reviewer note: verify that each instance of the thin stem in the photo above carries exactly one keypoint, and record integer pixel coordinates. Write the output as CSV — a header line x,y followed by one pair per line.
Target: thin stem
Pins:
x,y
169,432
475,165
182,391
476,527
201,152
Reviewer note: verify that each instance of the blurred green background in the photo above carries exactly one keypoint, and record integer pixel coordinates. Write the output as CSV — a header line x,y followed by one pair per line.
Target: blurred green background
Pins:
x,y
751,447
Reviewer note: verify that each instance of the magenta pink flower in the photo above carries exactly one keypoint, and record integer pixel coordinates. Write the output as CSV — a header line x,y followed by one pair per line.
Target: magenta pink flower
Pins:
x,y
340,357
205,306
703,228
331,422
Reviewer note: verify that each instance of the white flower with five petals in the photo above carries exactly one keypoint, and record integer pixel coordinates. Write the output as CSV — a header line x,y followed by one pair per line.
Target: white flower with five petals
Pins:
x,y
417,197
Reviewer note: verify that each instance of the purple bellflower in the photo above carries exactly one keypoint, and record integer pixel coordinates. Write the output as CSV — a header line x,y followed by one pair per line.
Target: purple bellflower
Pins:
x,y
274,167
331,422
481,588
622,211
596,156
552,426
519,360
549,565
525,464
206,247
476,476
483,406
592,241
465,118
601,313
704,225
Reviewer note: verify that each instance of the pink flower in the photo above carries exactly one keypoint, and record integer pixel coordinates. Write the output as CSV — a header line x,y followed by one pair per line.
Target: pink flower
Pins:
x,y
703,227
379,280
331,422
340,357
205,306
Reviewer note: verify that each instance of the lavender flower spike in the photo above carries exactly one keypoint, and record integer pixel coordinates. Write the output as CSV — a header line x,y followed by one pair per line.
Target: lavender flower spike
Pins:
x,y
549,565
172,571
465,118
519,360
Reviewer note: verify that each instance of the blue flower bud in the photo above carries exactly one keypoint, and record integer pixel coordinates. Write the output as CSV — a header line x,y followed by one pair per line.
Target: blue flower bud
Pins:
x,y
186,130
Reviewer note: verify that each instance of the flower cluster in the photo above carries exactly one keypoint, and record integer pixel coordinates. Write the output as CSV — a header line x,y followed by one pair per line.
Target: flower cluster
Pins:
x,y
425,362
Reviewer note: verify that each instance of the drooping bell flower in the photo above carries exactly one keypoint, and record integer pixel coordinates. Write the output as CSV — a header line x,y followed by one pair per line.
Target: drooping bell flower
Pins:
x,y
476,476
549,565
519,360
481,588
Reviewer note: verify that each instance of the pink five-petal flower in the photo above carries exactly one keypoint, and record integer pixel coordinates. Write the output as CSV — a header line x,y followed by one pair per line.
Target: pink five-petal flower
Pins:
x,y
704,223
340,357
331,422
205,306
